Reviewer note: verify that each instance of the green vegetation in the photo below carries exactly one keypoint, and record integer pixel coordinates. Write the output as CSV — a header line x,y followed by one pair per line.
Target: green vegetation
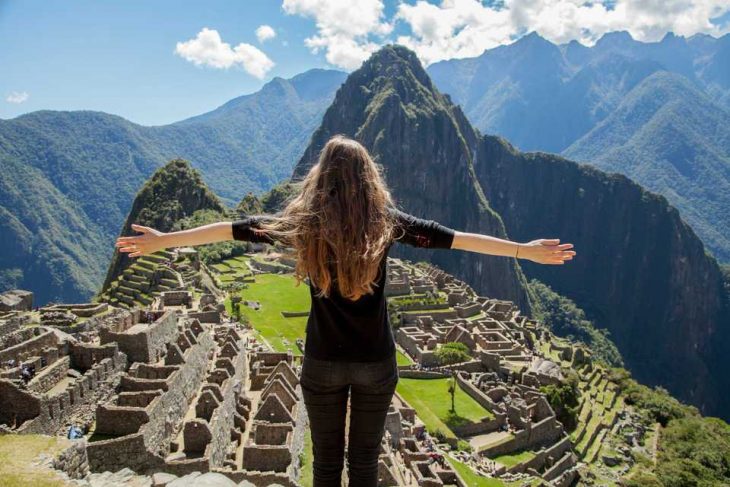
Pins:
x,y
693,451
402,359
213,252
276,198
452,353
249,205
74,174
567,320
564,399
671,138
657,405
431,400
427,298
470,477
514,458
174,192
306,458
276,293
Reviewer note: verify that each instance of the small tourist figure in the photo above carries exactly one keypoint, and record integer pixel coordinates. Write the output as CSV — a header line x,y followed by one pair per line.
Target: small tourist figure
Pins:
x,y
74,433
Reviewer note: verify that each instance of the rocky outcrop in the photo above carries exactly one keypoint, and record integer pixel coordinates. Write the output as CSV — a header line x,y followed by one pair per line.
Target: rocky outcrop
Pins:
x,y
426,148
641,271
174,192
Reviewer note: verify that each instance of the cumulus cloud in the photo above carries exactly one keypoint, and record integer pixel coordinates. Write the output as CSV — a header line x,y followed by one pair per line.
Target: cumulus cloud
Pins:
x,y
463,28
264,33
348,32
208,49
17,97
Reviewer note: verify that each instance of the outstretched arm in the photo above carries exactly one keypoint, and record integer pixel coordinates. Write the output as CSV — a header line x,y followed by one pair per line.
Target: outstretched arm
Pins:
x,y
419,232
542,251
152,240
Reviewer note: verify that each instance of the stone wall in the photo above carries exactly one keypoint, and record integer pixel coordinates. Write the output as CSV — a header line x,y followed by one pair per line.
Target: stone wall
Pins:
x,y
33,413
146,448
476,394
85,310
206,316
51,375
8,326
85,355
73,460
32,347
144,342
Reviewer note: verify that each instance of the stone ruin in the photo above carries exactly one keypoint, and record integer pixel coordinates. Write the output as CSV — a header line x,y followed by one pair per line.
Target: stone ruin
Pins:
x,y
177,387
16,300
70,377
504,375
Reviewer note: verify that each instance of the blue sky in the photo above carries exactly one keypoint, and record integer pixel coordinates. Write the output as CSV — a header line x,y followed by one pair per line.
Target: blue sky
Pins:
x,y
122,57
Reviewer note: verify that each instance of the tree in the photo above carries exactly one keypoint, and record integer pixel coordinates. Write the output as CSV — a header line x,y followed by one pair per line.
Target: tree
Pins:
x,y
452,353
564,399
452,390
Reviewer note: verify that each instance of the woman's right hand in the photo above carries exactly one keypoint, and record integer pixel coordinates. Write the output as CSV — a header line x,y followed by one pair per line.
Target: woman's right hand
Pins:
x,y
546,251
149,242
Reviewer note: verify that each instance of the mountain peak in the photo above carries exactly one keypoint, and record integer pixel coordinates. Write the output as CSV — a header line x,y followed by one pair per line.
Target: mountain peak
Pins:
x,y
532,41
317,83
395,59
618,38
175,191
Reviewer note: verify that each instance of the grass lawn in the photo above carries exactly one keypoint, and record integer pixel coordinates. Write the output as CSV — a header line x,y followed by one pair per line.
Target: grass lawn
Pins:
x,y
471,478
277,293
402,358
432,402
307,477
19,452
514,458
232,267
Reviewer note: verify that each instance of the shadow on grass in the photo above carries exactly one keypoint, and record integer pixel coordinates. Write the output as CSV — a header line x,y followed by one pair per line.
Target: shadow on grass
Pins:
x,y
453,420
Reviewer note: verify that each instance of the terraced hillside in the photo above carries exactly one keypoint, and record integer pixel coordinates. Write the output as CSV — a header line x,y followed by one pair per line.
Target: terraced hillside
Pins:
x,y
148,277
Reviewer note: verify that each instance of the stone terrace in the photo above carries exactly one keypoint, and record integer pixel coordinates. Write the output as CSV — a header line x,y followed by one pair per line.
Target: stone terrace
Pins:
x,y
504,375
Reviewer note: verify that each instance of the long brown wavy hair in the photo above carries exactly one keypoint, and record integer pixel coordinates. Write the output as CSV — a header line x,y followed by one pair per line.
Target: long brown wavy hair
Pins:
x,y
337,221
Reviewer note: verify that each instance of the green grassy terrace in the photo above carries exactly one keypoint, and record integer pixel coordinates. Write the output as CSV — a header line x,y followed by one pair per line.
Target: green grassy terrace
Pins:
x,y
432,402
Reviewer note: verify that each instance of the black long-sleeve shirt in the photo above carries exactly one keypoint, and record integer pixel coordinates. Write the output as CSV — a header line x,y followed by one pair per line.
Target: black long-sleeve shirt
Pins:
x,y
357,331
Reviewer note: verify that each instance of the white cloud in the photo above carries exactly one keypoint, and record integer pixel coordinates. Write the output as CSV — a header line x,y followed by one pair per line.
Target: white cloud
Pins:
x,y
349,31
207,49
17,97
463,28
346,30
265,32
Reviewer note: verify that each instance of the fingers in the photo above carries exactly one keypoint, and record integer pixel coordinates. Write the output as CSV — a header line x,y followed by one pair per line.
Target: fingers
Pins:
x,y
558,257
550,241
140,228
125,243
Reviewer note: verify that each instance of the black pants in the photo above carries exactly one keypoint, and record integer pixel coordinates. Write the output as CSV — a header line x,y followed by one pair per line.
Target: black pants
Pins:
x,y
326,386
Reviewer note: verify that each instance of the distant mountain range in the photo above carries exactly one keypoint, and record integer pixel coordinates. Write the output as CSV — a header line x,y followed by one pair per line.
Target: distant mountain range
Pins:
x,y
67,179
641,272
656,112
